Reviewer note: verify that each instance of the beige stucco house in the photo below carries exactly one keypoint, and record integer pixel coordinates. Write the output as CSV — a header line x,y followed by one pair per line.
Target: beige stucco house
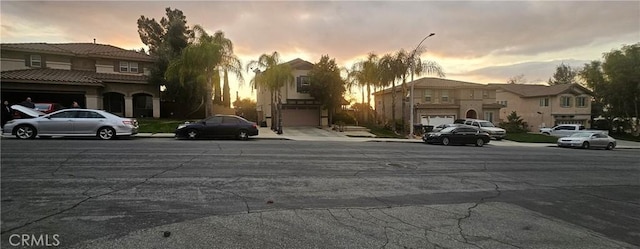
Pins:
x,y
439,101
545,106
298,107
95,75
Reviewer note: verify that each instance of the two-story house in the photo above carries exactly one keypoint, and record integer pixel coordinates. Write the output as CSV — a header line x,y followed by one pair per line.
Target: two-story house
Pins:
x,y
440,101
95,75
298,107
545,106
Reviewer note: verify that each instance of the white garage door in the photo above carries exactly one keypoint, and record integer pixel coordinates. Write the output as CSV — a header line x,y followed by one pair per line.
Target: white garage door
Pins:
x,y
436,120
300,117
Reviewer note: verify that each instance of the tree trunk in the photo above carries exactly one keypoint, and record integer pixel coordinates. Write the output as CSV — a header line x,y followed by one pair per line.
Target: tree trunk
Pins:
x,y
208,110
368,101
226,91
404,103
273,112
217,98
393,106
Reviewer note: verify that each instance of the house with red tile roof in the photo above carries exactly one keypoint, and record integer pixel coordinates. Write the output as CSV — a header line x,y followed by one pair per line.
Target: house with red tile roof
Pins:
x,y
98,76
299,108
440,101
545,106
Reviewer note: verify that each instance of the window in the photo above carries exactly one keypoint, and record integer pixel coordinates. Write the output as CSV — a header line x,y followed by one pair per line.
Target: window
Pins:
x,y
66,114
230,120
445,96
214,120
128,67
565,101
89,114
303,84
427,95
485,94
133,67
502,102
581,101
544,102
36,60
488,116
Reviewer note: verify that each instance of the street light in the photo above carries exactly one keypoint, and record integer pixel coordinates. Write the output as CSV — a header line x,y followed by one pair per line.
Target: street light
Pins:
x,y
412,58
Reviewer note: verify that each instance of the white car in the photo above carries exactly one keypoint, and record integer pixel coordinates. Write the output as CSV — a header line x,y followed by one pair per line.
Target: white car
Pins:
x,y
69,122
587,140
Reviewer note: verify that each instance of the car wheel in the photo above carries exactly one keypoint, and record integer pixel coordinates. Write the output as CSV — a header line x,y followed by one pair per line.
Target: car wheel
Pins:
x,y
243,135
192,134
610,146
479,142
445,141
26,132
106,133
585,145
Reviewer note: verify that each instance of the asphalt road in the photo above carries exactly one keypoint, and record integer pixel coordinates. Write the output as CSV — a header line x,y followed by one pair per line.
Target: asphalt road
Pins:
x,y
165,193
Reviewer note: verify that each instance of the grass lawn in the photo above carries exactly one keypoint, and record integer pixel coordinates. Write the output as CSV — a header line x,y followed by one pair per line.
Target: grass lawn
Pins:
x,y
153,125
531,138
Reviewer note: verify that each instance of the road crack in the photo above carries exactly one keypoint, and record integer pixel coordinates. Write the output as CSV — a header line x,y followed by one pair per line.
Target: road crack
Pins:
x,y
470,210
96,196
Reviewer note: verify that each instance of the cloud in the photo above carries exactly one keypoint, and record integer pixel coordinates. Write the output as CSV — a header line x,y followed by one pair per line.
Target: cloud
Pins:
x,y
472,37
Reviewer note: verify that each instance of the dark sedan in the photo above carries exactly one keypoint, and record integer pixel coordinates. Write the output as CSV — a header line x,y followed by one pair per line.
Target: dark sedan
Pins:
x,y
218,126
458,135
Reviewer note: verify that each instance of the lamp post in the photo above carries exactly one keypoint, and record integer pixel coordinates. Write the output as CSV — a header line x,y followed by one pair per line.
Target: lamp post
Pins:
x,y
412,58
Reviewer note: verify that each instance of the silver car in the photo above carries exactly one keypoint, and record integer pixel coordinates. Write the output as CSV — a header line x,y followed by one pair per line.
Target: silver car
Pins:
x,y
587,140
69,122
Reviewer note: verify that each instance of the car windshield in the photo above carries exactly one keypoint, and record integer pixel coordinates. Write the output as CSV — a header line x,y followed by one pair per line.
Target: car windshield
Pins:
x,y
486,124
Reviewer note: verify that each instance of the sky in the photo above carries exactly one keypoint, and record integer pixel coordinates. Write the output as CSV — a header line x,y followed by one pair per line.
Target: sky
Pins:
x,y
474,41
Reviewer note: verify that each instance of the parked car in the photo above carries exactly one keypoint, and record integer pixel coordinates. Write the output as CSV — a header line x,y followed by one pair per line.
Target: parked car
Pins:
x,y
588,140
48,107
496,133
442,126
218,126
566,130
463,134
69,122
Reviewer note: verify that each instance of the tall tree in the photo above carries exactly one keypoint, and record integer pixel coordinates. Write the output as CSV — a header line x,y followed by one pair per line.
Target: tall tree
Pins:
x,y
616,83
564,75
229,63
326,85
273,76
370,76
166,40
387,76
200,60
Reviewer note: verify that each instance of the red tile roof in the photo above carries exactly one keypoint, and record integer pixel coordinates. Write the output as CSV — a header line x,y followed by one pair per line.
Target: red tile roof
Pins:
x,y
68,77
79,49
525,90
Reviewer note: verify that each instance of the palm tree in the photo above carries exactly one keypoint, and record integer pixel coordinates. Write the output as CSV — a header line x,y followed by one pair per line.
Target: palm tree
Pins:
x,y
401,67
199,59
370,76
229,64
386,78
273,76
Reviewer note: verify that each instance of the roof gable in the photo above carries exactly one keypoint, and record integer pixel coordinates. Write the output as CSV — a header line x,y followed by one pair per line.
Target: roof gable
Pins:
x,y
300,64
525,90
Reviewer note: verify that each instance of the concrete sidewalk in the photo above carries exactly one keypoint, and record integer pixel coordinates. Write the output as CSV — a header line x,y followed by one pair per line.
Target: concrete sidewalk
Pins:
x,y
359,135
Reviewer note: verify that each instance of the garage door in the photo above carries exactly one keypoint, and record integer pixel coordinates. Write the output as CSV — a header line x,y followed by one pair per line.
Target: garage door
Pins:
x,y
436,120
300,117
